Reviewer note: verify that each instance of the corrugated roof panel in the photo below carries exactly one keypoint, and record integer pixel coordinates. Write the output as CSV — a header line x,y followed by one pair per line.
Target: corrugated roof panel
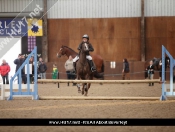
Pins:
x,y
159,8
19,5
94,8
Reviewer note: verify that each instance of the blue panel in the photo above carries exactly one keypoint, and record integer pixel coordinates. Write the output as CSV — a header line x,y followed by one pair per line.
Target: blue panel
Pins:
x,y
13,27
170,93
23,93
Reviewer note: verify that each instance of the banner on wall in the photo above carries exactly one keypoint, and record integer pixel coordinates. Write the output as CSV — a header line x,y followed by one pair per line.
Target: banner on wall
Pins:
x,y
35,27
29,42
30,30
13,27
20,27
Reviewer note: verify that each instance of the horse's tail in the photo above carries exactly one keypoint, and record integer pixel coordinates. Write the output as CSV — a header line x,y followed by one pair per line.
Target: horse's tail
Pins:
x,y
103,67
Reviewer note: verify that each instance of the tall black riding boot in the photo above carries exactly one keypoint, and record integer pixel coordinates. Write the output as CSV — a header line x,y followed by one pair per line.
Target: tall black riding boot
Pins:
x,y
74,64
92,66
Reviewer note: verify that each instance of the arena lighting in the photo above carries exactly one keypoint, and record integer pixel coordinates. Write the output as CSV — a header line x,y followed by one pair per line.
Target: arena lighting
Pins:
x,y
112,64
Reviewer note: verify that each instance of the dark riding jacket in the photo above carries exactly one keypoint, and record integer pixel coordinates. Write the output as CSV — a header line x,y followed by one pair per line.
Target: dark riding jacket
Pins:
x,y
90,47
126,67
150,69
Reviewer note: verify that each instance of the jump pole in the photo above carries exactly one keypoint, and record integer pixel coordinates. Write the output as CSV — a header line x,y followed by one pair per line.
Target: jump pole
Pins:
x,y
97,81
95,98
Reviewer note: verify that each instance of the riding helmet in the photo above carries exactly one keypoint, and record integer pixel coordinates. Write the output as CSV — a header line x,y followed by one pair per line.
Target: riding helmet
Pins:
x,y
86,36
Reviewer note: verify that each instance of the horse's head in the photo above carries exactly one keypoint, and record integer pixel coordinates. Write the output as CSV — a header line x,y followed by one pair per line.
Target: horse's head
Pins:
x,y
85,47
61,52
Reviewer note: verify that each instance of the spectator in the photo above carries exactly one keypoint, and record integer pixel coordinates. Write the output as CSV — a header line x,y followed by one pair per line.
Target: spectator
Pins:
x,y
125,70
4,70
38,64
40,61
31,61
42,70
19,61
174,74
150,70
55,72
70,71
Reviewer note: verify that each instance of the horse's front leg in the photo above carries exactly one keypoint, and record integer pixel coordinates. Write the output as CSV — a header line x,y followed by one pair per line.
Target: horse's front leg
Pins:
x,y
87,88
78,85
83,88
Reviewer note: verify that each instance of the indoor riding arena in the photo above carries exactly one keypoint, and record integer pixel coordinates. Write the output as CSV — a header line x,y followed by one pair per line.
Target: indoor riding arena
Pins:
x,y
140,31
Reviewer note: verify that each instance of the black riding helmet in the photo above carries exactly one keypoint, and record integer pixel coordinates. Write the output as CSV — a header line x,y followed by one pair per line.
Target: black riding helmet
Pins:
x,y
86,36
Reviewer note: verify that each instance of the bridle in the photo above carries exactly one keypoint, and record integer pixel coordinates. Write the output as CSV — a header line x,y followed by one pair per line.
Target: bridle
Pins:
x,y
62,53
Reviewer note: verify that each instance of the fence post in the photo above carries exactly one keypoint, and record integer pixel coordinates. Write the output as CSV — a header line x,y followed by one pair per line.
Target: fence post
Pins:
x,y
163,74
165,93
20,93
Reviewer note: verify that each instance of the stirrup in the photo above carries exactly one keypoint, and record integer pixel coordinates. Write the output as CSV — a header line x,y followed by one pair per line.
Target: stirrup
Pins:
x,y
93,69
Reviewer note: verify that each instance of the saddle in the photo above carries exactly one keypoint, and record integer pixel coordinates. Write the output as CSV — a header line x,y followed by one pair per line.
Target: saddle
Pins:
x,y
91,65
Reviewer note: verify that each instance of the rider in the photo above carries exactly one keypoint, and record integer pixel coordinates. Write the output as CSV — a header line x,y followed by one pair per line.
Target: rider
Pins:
x,y
85,39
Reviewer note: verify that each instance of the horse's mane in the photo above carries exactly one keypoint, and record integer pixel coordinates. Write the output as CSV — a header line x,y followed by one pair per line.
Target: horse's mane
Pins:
x,y
69,48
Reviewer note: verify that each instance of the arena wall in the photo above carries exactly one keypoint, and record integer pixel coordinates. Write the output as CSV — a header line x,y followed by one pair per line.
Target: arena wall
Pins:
x,y
113,38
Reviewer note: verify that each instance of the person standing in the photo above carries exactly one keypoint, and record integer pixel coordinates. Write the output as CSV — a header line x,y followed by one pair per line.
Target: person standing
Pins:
x,y
31,61
150,70
126,70
40,61
173,73
167,61
4,71
19,61
42,70
55,72
70,71
38,64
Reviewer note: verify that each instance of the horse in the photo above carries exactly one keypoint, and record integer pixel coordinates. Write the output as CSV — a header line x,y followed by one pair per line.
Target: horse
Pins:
x,y
157,63
83,69
97,59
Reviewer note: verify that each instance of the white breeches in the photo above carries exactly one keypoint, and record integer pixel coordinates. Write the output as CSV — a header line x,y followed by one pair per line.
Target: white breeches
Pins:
x,y
76,58
87,57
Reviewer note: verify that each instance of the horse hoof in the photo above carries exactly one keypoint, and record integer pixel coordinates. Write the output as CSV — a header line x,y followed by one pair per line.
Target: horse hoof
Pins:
x,y
79,91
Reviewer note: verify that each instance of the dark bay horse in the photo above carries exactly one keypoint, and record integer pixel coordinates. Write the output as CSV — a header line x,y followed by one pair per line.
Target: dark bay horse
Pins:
x,y
157,63
98,60
83,69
